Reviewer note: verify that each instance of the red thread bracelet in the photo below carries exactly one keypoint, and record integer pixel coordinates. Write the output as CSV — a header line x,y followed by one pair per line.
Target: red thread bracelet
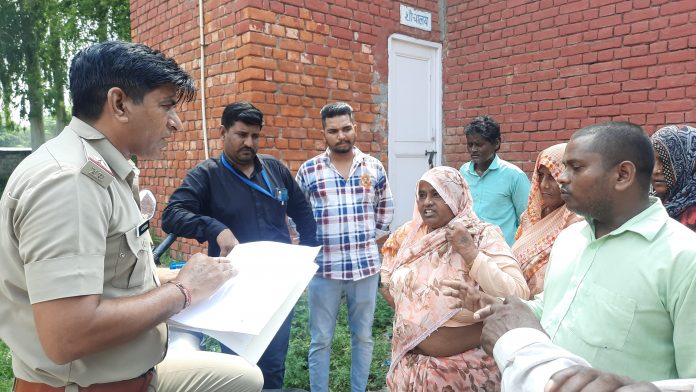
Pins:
x,y
184,291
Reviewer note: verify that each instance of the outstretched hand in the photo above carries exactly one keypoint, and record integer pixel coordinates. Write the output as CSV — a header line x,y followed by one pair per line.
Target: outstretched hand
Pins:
x,y
501,318
469,297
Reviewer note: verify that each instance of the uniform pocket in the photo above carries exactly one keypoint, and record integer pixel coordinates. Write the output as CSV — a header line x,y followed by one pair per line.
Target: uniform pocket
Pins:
x,y
599,310
132,261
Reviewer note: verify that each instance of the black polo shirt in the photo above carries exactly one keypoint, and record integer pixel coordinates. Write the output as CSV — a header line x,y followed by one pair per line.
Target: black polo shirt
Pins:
x,y
212,198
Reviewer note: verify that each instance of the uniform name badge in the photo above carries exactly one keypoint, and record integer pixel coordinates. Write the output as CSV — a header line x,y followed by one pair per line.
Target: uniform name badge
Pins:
x,y
140,230
282,195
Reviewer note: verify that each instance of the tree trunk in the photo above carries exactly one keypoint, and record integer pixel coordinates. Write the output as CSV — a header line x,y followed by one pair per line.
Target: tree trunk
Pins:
x,y
61,120
33,30
38,137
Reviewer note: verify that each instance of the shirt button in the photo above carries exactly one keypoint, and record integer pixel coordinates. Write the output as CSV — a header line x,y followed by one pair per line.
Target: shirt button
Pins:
x,y
121,255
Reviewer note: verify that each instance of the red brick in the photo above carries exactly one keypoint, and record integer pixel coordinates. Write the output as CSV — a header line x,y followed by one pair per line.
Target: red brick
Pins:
x,y
292,44
682,105
686,30
339,32
257,62
608,88
676,56
319,50
637,108
640,15
676,7
258,14
249,74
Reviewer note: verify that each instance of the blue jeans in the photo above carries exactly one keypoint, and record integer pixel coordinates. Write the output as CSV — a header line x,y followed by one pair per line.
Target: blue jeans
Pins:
x,y
272,362
324,300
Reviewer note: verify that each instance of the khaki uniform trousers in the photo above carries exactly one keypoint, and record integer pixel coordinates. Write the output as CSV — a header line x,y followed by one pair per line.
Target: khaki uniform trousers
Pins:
x,y
204,371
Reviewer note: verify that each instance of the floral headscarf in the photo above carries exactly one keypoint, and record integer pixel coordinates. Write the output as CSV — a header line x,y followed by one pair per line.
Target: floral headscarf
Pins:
x,y
454,190
676,148
536,235
422,259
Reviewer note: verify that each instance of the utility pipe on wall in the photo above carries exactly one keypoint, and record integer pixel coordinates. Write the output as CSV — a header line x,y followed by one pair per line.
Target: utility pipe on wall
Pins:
x,y
202,66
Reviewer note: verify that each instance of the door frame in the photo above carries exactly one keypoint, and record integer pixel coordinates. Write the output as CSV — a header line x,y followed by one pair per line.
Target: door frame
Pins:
x,y
437,76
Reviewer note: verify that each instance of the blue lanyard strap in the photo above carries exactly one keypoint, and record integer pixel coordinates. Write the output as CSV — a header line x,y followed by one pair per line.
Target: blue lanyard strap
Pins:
x,y
247,181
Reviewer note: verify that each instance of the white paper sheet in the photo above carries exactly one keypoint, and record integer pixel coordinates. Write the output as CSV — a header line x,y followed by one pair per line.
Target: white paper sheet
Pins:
x,y
246,312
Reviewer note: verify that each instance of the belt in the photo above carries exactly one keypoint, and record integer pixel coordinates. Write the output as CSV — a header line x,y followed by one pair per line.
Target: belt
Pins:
x,y
138,384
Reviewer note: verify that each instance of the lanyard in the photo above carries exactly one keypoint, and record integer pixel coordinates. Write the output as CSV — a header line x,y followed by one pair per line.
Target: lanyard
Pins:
x,y
246,180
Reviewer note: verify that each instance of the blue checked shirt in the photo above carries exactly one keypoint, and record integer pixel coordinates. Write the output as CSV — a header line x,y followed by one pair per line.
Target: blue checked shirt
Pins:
x,y
349,213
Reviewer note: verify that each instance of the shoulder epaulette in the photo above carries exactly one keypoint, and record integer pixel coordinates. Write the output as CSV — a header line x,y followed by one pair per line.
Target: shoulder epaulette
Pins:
x,y
95,166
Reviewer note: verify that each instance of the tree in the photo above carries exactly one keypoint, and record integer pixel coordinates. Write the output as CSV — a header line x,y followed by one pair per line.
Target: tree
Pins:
x,y
37,38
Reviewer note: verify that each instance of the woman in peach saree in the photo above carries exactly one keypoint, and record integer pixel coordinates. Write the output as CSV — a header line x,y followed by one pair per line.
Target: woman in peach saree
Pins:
x,y
545,217
434,347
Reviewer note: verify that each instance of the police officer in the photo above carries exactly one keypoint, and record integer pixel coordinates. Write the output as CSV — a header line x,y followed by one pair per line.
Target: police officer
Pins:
x,y
80,298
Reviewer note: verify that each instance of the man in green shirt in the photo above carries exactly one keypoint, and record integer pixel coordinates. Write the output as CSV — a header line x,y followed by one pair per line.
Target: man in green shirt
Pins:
x,y
620,287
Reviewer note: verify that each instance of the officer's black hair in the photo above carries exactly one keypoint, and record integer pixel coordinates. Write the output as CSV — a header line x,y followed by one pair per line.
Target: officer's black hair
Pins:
x,y
135,68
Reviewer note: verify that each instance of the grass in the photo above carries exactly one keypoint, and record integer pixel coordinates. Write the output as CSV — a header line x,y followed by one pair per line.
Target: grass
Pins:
x,y
296,370
6,377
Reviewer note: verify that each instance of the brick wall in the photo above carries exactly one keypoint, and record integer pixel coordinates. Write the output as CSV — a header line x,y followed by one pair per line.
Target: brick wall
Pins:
x,y
289,58
172,27
546,68
542,68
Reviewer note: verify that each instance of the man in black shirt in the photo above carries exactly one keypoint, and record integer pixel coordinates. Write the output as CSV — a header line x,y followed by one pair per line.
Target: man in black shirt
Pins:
x,y
242,197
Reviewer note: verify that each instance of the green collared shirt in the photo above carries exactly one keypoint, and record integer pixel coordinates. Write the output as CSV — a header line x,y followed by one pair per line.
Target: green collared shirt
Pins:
x,y
625,302
500,194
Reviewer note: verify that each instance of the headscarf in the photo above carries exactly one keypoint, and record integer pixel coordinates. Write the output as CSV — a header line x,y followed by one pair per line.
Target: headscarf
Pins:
x,y
536,235
429,258
451,186
676,148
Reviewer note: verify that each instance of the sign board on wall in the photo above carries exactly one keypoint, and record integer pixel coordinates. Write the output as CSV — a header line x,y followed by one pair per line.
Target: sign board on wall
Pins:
x,y
416,18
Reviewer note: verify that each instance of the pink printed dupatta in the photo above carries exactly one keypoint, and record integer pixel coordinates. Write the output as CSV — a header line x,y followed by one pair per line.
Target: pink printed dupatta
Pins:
x,y
416,261
536,235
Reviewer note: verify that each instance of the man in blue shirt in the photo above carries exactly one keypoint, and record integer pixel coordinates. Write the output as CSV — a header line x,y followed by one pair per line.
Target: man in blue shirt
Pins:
x,y
499,188
242,197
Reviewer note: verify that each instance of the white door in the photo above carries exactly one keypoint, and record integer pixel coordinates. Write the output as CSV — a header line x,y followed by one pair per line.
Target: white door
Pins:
x,y
415,117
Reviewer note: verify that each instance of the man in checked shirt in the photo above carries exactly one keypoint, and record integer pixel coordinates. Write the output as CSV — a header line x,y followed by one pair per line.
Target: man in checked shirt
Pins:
x,y
353,206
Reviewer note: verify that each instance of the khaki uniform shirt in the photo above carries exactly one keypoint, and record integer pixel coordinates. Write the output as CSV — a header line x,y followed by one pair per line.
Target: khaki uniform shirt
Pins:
x,y
69,227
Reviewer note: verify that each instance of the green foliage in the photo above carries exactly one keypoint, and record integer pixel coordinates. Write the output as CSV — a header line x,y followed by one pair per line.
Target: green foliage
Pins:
x,y
14,136
6,377
37,38
166,257
296,367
